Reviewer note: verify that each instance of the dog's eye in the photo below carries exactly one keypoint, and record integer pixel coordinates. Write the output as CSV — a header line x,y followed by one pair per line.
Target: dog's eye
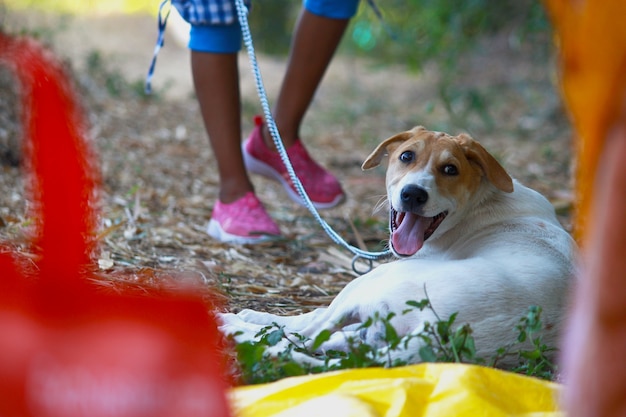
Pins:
x,y
407,156
450,170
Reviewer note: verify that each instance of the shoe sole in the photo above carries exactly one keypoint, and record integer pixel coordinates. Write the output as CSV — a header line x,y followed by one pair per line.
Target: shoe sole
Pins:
x,y
259,167
214,229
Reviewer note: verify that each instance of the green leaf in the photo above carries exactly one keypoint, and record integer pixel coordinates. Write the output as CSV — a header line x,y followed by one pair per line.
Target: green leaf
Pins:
x,y
452,318
263,331
300,337
274,337
324,336
421,305
533,319
391,336
443,330
464,343
427,354
470,346
250,352
367,323
530,354
293,369
522,337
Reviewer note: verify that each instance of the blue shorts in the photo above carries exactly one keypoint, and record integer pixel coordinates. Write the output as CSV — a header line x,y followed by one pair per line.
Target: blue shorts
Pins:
x,y
215,28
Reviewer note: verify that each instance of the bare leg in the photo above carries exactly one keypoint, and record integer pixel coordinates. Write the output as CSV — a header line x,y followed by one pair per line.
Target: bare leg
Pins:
x,y
314,43
216,81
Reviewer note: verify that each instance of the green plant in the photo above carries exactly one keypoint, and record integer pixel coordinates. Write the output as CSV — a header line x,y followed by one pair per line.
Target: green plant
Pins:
x,y
533,360
441,341
257,366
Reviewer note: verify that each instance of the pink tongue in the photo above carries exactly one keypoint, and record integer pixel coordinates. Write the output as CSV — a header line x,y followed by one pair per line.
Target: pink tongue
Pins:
x,y
408,238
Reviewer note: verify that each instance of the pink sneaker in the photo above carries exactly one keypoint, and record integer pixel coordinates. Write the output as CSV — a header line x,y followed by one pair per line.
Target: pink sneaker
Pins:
x,y
243,221
322,187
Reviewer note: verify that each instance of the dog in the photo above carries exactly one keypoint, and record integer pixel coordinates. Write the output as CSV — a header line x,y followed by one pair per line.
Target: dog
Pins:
x,y
469,238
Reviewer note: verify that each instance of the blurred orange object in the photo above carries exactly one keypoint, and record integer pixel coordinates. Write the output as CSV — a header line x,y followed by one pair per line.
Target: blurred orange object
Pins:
x,y
592,41
67,348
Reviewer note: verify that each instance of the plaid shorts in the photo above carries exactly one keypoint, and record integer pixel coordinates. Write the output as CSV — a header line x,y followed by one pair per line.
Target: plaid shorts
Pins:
x,y
215,26
223,12
207,12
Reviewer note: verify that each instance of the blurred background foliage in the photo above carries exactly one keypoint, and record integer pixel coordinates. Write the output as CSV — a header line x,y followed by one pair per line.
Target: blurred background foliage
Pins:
x,y
86,6
412,32
416,33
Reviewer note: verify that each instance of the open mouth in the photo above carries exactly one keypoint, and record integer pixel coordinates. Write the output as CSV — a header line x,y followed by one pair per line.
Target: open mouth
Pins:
x,y
409,231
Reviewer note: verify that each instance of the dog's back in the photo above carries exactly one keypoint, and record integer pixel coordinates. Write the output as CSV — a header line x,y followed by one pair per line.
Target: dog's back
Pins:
x,y
495,223
525,258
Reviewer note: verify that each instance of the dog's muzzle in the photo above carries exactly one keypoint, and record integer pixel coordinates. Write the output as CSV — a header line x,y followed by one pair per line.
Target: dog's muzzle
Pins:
x,y
409,230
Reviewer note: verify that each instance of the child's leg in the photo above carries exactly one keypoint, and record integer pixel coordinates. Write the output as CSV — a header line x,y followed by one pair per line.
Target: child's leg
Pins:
x,y
238,216
216,81
318,32
317,35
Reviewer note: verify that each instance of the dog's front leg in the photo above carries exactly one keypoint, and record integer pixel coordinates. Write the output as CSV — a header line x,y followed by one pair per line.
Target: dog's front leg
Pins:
x,y
352,306
292,324
241,331
343,311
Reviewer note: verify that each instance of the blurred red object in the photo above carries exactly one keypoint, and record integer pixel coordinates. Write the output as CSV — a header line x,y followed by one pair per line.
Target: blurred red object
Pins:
x,y
66,347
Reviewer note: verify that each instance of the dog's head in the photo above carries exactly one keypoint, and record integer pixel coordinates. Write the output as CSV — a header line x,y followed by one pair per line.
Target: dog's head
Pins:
x,y
431,176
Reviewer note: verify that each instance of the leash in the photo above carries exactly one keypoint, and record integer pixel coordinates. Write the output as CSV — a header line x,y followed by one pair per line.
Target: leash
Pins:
x,y
162,22
242,14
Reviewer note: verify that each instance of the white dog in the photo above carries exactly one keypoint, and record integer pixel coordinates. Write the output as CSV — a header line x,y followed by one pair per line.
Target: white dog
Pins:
x,y
472,239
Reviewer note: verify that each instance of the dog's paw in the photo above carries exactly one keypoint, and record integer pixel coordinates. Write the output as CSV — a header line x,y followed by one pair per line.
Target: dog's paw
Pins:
x,y
226,319
232,326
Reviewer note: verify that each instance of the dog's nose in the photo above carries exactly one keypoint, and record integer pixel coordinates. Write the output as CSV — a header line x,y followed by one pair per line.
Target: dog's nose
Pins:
x,y
413,197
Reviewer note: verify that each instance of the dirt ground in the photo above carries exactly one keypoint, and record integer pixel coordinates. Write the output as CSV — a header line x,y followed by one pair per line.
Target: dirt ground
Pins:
x,y
159,177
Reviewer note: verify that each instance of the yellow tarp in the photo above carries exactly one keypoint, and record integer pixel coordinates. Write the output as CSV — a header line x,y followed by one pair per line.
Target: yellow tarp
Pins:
x,y
425,390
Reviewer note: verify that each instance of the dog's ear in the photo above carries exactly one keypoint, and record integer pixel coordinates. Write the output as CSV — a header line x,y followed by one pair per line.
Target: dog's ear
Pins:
x,y
386,147
489,165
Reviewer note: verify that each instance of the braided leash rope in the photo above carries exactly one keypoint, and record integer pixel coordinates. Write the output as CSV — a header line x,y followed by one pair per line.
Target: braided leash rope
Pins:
x,y
162,22
242,14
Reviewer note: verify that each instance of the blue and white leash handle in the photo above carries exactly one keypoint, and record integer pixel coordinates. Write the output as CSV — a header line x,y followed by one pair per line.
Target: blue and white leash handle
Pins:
x,y
162,22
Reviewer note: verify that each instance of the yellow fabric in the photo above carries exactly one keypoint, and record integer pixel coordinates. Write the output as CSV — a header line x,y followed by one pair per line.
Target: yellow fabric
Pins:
x,y
425,390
